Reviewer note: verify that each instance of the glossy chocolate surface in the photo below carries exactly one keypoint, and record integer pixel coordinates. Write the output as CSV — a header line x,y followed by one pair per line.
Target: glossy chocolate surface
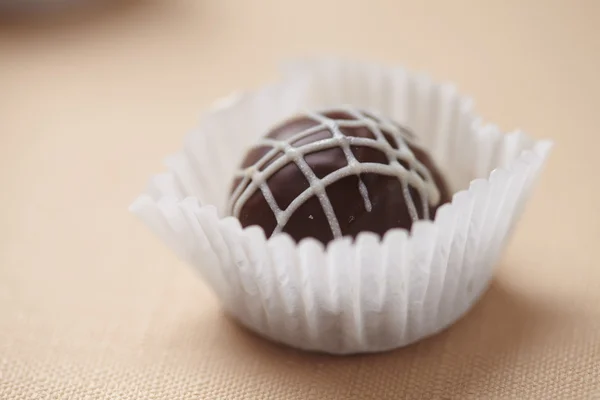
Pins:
x,y
385,205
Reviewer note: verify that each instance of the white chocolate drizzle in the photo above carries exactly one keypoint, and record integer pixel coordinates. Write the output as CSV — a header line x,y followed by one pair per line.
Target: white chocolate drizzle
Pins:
x,y
283,152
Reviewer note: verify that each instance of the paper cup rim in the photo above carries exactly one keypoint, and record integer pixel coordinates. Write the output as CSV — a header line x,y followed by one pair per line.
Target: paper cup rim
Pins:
x,y
538,152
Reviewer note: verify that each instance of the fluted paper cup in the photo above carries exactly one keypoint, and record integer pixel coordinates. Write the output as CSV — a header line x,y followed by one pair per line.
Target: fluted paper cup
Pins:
x,y
365,295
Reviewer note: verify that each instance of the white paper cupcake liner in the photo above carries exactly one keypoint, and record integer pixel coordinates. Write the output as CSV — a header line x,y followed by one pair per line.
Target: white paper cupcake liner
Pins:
x,y
367,295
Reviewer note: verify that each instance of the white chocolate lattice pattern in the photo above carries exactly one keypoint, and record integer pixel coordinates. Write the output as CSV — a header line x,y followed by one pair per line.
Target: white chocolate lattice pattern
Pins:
x,y
416,176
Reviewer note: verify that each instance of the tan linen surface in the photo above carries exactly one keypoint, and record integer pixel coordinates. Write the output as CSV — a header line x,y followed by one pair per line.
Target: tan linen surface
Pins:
x,y
93,306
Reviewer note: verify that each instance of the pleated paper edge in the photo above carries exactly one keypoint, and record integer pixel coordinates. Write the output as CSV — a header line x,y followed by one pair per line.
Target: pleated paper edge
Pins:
x,y
161,212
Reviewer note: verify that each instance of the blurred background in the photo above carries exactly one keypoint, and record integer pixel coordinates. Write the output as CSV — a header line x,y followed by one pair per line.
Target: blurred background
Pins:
x,y
94,94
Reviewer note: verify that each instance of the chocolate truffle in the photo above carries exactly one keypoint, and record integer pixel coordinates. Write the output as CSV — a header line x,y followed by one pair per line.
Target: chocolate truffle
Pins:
x,y
336,173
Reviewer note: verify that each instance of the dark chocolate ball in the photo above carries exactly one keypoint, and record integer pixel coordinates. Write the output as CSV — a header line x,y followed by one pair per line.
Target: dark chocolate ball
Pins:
x,y
336,173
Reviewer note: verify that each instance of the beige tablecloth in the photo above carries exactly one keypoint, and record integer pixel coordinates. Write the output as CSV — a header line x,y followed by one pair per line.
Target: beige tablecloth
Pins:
x,y
93,306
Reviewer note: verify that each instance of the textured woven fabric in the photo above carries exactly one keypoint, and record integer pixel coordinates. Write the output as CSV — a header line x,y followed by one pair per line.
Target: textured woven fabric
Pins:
x,y
92,306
